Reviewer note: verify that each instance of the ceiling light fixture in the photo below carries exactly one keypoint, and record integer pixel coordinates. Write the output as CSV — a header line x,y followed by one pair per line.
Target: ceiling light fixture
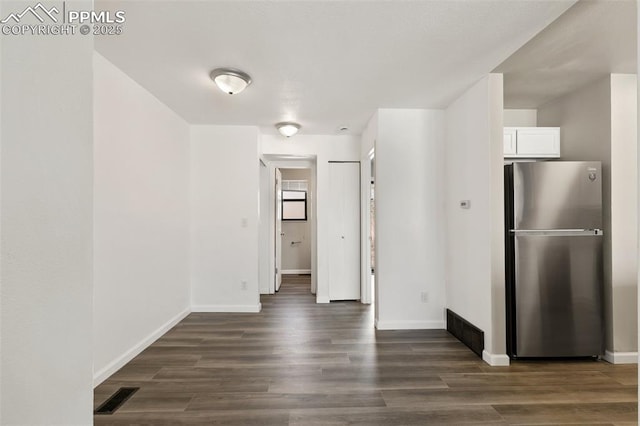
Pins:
x,y
230,80
288,128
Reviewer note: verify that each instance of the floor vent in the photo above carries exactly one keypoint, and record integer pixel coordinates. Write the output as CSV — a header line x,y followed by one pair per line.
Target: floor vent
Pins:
x,y
115,401
466,332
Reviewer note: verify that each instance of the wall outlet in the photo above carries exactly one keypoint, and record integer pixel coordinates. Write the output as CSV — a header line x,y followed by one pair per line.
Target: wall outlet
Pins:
x,y
424,297
243,284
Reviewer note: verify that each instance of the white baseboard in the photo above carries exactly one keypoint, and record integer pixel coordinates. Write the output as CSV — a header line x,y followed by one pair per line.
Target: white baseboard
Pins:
x,y
410,325
122,360
496,360
227,308
621,357
296,271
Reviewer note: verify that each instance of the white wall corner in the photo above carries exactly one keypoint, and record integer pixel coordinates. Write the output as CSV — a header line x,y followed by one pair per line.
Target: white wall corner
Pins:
x,y
409,325
118,363
496,360
227,308
621,357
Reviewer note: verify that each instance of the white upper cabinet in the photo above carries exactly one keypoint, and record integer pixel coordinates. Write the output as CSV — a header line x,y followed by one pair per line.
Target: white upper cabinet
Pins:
x,y
532,142
509,141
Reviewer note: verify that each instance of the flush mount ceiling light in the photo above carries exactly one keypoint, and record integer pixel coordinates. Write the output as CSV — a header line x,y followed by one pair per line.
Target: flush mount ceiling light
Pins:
x,y
230,80
288,128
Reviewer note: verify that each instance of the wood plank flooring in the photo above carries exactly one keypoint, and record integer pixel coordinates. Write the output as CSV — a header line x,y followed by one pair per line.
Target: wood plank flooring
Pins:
x,y
299,363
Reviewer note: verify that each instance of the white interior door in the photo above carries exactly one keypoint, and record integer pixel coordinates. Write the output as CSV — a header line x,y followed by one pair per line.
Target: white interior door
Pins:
x,y
278,236
344,240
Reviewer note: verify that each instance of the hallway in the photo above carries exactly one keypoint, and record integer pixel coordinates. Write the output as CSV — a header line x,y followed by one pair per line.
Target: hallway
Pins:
x,y
302,363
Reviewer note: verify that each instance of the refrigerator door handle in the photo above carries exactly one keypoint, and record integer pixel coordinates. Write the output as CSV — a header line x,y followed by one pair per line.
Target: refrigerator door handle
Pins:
x,y
558,232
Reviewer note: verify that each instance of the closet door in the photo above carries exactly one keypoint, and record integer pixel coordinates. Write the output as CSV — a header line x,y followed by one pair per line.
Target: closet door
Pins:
x,y
344,234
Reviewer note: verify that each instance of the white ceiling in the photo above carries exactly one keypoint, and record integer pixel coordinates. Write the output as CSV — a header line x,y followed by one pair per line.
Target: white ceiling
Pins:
x,y
591,40
323,64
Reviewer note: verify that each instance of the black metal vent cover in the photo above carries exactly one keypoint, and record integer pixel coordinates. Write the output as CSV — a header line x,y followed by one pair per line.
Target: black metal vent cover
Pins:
x,y
115,401
466,332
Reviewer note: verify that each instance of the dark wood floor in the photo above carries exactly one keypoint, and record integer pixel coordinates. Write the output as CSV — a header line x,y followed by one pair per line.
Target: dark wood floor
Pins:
x,y
299,363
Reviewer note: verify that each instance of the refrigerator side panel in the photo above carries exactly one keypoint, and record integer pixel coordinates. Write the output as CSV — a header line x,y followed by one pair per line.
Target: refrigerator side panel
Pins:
x,y
559,296
509,261
558,195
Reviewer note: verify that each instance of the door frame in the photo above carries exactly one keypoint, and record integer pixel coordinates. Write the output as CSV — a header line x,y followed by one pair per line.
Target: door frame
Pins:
x,y
277,229
365,220
281,162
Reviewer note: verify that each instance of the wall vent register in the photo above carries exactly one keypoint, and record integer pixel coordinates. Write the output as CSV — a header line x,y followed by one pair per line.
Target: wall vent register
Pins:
x,y
115,401
466,332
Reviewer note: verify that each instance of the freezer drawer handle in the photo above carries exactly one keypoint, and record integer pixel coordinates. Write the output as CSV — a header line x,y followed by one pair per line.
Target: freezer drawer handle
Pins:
x,y
558,232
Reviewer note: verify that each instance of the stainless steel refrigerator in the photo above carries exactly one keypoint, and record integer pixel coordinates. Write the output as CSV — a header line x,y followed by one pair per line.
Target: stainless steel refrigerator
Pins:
x,y
554,272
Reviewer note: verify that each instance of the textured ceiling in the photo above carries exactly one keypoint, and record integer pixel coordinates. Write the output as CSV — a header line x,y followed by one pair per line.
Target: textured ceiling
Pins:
x,y
591,40
322,63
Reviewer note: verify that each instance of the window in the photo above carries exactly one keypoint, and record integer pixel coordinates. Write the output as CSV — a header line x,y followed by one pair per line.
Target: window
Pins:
x,y
294,205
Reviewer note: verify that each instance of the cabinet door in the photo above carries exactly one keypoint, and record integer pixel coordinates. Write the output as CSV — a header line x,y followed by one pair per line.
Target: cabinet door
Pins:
x,y
538,142
344,234
509,141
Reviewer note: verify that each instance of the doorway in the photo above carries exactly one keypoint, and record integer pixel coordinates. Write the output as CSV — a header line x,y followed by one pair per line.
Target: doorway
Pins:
x,y
372,230
369,242
295,222
289,223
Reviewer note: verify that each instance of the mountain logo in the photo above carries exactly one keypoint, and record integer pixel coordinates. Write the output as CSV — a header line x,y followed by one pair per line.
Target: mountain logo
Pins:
x,y
39,11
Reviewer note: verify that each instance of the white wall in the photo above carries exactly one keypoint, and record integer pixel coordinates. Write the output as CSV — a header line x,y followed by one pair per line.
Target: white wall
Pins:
x,y
498,342
1,329
46,256
586,118
296,258
624,211
520,118
264,231
475,236
224,219
141,218
410,218
296,247
324,148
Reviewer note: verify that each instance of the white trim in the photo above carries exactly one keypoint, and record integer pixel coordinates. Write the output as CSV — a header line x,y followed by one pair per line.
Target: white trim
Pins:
x,y
227,308
275,161
495,360
122,360
321,300
410,325
365,230
621,357
296,271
